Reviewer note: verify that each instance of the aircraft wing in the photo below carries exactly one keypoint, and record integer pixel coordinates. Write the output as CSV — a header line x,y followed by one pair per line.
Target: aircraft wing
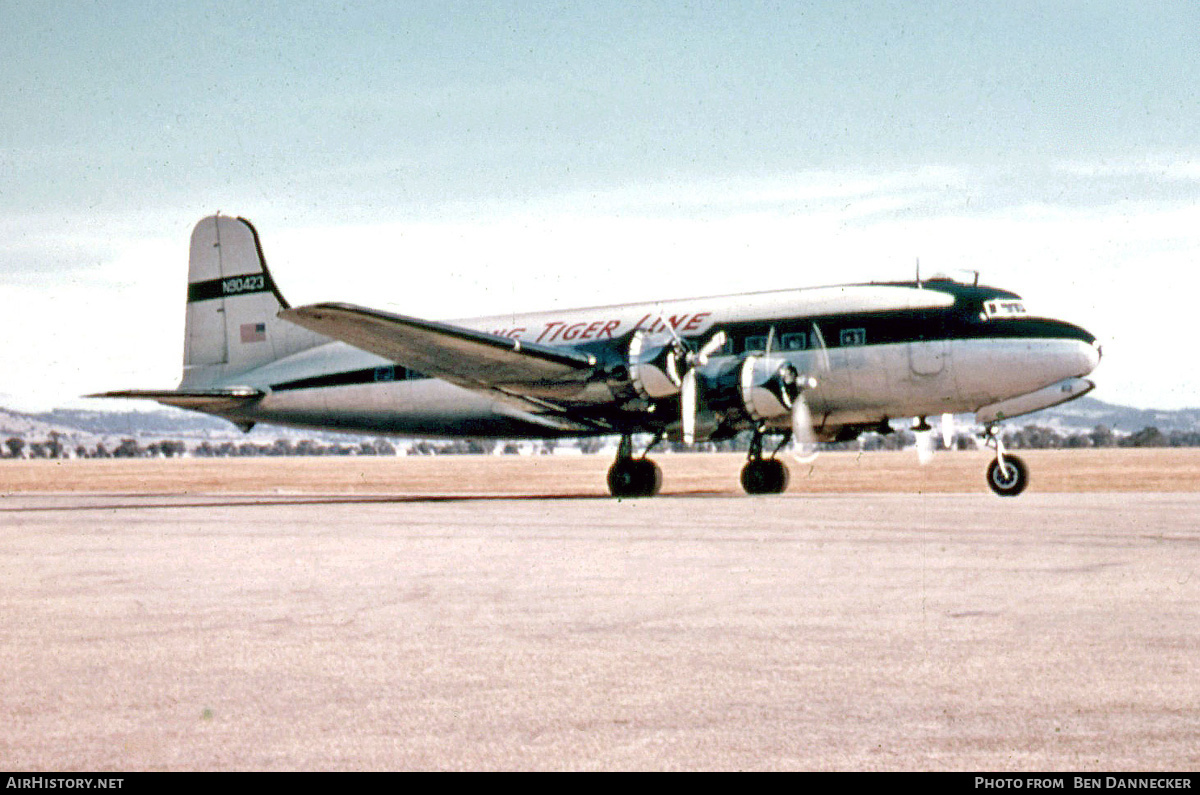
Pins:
x,y
532,374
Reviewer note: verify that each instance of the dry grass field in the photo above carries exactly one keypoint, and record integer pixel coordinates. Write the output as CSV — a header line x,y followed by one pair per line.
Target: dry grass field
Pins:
x,y
1105,470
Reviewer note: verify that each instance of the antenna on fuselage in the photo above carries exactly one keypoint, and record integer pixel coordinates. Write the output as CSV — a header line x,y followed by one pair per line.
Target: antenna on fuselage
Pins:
x,y
918,273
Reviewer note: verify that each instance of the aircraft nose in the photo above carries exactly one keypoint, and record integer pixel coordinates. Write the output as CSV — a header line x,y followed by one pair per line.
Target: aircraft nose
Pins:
x,y
1091,355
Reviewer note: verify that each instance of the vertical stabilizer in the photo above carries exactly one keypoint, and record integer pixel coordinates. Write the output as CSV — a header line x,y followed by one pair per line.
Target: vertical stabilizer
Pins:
x,y
232,303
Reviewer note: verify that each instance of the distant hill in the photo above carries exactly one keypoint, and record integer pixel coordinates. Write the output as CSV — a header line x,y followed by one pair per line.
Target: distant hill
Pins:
x,y
168,421
1087,412
89,426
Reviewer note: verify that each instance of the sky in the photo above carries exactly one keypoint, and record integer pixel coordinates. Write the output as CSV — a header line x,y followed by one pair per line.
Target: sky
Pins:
x,y
449,159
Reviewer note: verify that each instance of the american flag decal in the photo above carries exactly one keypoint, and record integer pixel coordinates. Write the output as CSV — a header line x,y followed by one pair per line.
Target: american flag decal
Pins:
x,y
254,332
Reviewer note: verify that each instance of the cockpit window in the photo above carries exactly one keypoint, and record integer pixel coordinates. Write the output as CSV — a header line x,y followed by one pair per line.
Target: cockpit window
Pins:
x,y
1006,308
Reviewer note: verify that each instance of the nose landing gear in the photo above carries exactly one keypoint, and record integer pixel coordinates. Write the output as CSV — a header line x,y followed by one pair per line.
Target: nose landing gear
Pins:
x,y
1007,475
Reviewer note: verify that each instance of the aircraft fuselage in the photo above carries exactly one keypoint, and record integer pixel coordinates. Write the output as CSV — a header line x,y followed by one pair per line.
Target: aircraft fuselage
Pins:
x,y
876,351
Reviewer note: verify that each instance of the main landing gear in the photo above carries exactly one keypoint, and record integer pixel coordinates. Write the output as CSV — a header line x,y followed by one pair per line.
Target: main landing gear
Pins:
x,y
1007,475
764,475
634,477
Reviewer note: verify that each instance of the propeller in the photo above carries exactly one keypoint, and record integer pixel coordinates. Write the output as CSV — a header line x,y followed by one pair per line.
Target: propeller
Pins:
x,y
923,431
804,438
681,368
660,369
924,444
687,382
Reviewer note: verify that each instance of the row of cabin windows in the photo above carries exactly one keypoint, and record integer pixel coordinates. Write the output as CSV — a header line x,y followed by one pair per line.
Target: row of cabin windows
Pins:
x,y
795,341
756,343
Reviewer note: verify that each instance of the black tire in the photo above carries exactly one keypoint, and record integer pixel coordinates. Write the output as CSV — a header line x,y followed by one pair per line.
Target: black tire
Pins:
x,y
765,476
634,477
1014,482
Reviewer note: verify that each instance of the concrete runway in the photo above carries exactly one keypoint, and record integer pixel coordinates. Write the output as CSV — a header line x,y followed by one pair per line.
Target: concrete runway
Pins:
x,y
847,632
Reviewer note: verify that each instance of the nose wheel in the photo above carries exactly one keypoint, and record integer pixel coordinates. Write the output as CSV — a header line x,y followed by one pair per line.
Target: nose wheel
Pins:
x,y
1007,475
1008,479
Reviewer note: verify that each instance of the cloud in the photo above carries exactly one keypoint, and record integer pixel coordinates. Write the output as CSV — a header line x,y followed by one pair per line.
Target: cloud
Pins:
x,y
104,309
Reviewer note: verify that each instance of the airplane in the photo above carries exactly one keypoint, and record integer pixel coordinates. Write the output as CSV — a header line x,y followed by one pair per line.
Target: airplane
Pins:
x,y
800,365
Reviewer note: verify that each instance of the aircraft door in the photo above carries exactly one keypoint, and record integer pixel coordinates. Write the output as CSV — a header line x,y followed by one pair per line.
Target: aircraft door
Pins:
x,y
929,352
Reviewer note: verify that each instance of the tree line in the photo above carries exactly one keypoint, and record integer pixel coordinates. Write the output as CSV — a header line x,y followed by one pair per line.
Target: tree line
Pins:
x,y
1029,437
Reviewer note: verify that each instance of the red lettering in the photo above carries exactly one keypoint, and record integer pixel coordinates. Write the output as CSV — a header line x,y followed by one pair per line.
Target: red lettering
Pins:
x,y
609,328
696,320
572,331
590,330
677,320
546,331
638,325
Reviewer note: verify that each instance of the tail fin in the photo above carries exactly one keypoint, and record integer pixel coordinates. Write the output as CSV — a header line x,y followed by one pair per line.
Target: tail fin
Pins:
x,y
232,303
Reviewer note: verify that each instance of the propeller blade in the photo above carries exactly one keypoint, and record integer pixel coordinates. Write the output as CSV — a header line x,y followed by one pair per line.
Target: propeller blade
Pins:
x,y
687,408
673,368
662,318
822,349
804,440
714,344
947,430
924,446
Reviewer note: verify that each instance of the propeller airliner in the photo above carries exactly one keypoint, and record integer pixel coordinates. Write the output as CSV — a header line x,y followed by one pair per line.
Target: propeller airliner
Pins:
x,y
799,365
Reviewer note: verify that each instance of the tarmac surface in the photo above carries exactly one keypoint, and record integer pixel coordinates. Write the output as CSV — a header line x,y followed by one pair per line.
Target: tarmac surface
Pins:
x,y
835,631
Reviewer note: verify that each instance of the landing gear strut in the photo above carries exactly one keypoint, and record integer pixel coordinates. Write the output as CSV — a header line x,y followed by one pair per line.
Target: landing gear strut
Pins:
x,y
1007,475
634,477
764,475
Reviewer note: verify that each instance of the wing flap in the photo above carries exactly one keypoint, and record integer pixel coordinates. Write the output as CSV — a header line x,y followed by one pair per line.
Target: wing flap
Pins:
x,y
465,357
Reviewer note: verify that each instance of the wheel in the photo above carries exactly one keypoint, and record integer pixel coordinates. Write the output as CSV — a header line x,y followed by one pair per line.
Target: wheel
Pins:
x,y
1012,483
764,476
634,477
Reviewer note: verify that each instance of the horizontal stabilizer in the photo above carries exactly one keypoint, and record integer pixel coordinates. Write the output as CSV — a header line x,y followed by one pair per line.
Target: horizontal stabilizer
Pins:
x,y
468,358
211,401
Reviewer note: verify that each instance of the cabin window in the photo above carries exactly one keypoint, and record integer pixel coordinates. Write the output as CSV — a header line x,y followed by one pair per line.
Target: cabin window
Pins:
x,y
794,342
1003,309
755,344
853,336
387,373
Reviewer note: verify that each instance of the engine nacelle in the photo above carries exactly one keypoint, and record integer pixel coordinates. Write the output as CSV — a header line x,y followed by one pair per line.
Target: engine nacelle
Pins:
x,y
760,387
654,367
768,387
